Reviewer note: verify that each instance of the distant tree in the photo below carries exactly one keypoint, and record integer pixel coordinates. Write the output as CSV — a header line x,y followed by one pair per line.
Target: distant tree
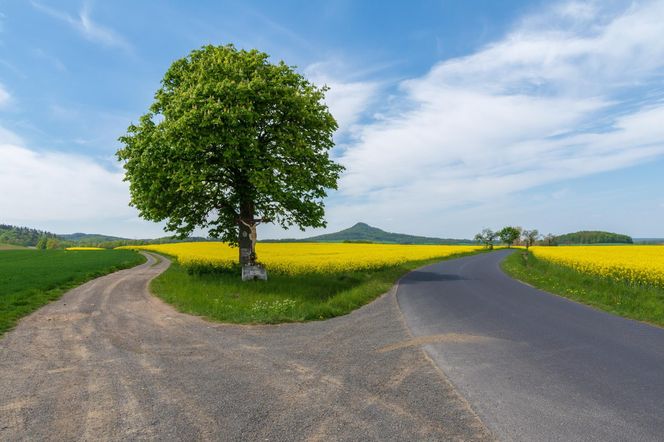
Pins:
x,y
529,237
549,239
487,237
41,243
230,141
52,243
509,235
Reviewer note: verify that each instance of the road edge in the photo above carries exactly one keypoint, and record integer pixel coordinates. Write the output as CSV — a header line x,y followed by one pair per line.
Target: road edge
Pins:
x,y
422,348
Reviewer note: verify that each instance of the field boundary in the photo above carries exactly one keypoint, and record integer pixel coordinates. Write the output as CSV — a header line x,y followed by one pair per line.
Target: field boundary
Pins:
x,y
14,306
638,303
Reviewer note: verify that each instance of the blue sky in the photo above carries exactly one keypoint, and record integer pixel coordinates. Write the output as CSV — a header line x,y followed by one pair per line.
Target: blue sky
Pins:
x,y
453,115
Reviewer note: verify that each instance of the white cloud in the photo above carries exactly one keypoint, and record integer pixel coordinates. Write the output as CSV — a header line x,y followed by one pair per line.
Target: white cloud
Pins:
x,y
87,27
347,100
4,96
542,105
52,186
9,137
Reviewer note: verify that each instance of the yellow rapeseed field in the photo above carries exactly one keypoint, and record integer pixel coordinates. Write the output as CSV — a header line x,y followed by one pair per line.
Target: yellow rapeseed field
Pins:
x,y
84,248
307,257
643,265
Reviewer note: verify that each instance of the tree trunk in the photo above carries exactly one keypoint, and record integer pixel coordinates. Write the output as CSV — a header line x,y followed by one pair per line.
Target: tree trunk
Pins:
x,y
247,230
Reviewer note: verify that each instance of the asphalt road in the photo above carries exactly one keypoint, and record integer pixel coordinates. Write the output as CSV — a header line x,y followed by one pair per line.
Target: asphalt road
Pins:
x,y
108,361
534,366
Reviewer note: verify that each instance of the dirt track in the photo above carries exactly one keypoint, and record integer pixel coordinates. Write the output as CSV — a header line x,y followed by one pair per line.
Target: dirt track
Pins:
x,y
108,361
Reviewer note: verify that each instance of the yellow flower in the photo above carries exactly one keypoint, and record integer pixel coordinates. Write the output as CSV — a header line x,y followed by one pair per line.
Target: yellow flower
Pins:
x,y
638,265
307,257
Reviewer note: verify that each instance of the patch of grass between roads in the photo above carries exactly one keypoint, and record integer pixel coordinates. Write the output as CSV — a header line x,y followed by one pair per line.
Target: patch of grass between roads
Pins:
x,y
222,296
31,278
643,303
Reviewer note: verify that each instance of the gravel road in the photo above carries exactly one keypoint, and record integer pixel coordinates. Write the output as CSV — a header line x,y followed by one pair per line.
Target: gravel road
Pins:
x,y
108,361
535,366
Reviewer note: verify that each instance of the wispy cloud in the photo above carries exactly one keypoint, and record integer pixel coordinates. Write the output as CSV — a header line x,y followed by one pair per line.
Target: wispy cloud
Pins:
x,y
553,100
54,186
63,113
8,137
86,26
50,59
279,29
4,96
9,67
347,100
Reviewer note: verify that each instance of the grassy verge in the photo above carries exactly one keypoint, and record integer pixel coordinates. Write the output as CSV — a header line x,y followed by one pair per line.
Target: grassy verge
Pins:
x,y
631,301
31,278
11,247
221,296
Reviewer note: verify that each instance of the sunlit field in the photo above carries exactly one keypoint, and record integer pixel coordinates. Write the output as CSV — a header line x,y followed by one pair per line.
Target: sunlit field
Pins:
x,y
297,258
637,265
626,280
306,281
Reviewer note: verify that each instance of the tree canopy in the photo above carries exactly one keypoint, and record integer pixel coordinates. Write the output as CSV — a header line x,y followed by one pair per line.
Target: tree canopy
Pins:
x,y
530,237
509,235
231,140
487,237
22,236
593,237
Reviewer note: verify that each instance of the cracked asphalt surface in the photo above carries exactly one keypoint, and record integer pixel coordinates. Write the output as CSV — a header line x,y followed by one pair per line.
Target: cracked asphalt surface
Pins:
x,y
109,361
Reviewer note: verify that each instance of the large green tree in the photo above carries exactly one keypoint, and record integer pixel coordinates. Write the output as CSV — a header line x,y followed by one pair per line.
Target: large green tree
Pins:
x,y
232,140
509,234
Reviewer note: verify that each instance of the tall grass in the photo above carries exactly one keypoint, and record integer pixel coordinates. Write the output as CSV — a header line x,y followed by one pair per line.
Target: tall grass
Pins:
x,y
222,296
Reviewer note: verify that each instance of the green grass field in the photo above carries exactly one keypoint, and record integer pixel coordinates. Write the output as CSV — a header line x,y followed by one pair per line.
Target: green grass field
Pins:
x,y
635,302
31,278
222,296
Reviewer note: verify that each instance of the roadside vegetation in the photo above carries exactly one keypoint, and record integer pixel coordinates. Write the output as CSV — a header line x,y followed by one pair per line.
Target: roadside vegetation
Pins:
x,y
307,281
515,235
31,278
633,297
10,247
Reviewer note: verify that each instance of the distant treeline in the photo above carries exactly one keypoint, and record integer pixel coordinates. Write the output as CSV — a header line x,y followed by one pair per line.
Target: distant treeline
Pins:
x,y
22,236
593,237
140,242
28,237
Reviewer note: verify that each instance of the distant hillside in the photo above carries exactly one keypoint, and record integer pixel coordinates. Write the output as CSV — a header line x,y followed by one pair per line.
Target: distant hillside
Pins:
x,y
593,237
22,236
28,237
362,232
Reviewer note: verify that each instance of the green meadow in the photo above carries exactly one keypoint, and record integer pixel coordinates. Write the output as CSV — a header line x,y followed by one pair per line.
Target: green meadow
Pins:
x,y
31,278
